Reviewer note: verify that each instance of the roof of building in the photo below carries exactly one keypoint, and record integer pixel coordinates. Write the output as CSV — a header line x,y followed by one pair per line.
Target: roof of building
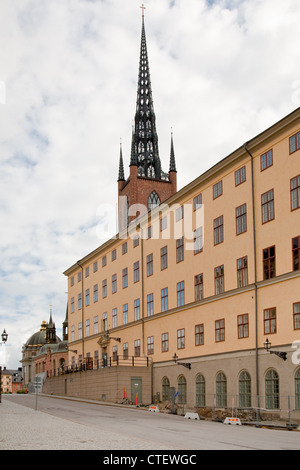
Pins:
x,y
38,338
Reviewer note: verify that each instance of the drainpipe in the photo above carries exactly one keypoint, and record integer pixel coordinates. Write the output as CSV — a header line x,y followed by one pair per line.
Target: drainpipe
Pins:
x,y
255,268
82,310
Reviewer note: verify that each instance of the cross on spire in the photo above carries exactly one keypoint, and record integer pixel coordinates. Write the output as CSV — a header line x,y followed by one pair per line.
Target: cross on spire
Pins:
x,y
143,10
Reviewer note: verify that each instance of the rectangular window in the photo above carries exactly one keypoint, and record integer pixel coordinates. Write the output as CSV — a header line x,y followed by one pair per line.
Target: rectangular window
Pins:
x,y
72,305
243,325
114,255
87,272
150,305
266,160
72,281
164,299
241,219
269,321
104,261
267,206
269,262
296,253
79,302
180,294
199,287
125,351
136,271
163,257
242,271
198,240
296,310
95,266
150,264
220,330
114,318
79,330
181,339
179,213
295,142
295,193
199,334
124,248
72,333
115,353
197,202
125,314
163,223
104,321
219,280
137,309
137,347
125,278
87,297
95,290
240,176
149,232
104,288
114,283
217,189
218,230
79,277
150,345
136,241
87,327
165,342
95,324
179,250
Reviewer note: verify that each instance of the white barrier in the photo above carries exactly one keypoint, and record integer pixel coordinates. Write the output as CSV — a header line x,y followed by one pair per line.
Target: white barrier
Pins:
x,y
153,408
192,416
236,421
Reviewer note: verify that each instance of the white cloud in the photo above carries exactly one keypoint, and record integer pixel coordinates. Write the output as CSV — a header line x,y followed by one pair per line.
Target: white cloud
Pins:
x,y
222,71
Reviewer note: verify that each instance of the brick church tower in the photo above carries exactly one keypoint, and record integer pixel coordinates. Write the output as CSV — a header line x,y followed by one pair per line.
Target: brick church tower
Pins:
x,y
147,185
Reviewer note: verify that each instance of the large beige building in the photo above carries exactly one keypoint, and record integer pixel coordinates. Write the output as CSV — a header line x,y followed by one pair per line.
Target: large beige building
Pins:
x,y
199,283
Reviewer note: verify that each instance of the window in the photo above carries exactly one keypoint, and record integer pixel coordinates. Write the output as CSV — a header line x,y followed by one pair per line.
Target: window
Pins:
x,y
114,283
269,321
72,305
296,253
104,321
125,351
179,213
296,310
72,281
104,261
217,189
125,314
87,327
87,272
136,241
150,264
79,277
266,160
199,334
243,325
95,266
165,342
179,250
219,280
124,248
295,193
87,297
272,390
181,339
114,318
220,330
221,390
79,302
269,262
163,223
95,290
149,232
164,299
240,176
114,255
241,219
72,333
150,345
115,353
218,230
149,305
125,278
199,287
267,206
181,390
197,202
153,201
79,330
104,288
137,347
136,271
198,240
295,142
180,294
95,324
242,271
200,390
244,389
165,389
163,257
137,309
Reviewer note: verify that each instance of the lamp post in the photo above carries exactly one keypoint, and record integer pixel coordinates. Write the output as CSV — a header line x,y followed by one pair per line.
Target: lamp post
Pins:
x,y
4,337
267,346
184,364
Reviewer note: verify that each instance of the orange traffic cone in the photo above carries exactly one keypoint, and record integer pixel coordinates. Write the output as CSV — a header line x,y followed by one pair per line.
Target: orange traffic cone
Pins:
x,y
125,394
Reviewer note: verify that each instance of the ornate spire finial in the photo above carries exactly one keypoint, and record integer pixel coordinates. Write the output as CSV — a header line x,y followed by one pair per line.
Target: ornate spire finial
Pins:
x,y
121,165
143,10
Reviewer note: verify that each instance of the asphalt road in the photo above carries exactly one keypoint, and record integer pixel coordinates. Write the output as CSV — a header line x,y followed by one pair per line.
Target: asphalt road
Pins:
x,y
130,428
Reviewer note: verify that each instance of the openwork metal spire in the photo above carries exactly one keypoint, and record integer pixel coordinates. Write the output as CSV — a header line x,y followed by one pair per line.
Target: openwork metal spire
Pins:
x,y
144,148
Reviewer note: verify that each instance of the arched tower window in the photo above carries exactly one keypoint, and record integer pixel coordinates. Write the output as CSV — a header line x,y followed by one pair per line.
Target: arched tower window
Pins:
x,y
153,201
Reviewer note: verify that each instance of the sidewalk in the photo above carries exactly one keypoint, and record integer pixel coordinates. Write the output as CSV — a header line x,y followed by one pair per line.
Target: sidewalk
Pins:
x,y
23,428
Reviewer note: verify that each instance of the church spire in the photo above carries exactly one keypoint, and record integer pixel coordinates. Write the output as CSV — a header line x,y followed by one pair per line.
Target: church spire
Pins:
x,y
144,148
172,156
121,166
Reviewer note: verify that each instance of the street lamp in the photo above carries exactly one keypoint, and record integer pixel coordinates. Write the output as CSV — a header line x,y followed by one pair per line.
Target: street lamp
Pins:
x,y
267,346
184,364
4,336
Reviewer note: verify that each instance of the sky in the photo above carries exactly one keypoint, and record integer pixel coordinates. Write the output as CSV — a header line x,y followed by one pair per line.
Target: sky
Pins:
x,y
222,71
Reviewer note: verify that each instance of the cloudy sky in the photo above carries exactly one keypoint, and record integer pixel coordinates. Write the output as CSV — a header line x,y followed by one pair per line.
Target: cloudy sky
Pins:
x,y
222,71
